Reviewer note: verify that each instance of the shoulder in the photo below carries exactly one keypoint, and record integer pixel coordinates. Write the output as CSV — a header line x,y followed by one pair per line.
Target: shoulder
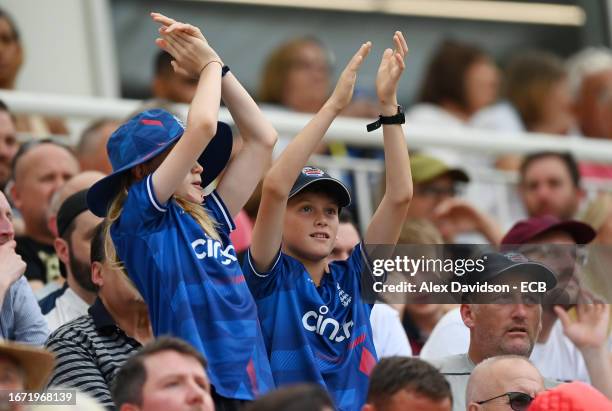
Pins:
x,y
457,364
74,331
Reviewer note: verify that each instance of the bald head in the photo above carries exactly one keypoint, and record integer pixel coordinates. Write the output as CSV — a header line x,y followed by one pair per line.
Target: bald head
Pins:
x,y
498,375
81,181
40,170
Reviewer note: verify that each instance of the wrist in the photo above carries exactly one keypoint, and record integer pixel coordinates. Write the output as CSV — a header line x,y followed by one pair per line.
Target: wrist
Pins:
x,y
332,107
388,109
211,63
594,353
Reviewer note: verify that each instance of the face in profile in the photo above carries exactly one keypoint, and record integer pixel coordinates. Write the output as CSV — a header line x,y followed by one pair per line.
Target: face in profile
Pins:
x,y
346,239
8,146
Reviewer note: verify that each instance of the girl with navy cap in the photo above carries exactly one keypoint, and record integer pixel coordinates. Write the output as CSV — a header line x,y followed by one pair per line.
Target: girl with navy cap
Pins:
x,y
172,240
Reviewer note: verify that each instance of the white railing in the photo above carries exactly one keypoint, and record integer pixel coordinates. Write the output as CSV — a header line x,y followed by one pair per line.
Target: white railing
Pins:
x,y
350,131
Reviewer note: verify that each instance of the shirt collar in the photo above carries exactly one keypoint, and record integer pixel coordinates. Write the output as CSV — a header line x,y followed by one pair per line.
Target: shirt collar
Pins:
x,y
101,317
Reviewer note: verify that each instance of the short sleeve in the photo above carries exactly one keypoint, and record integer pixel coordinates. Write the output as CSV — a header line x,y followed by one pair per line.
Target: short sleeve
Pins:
x,y
216,207
263,284
30,325
141,206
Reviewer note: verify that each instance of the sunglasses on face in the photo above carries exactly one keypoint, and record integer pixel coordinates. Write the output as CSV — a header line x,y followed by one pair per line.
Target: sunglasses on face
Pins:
x,y
519,401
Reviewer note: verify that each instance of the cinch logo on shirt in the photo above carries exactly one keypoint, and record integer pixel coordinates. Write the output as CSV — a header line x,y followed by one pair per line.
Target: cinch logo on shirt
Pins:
x,y
318,323
211,248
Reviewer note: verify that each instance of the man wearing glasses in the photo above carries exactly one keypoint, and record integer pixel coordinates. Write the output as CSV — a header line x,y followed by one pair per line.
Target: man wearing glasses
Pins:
x,y
436,190
507,382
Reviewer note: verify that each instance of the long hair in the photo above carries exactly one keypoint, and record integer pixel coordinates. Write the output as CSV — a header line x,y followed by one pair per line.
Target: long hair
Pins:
x,y
195,210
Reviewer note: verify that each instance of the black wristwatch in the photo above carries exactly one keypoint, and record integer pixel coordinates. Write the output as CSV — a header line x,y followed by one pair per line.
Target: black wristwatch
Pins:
x,y
398,118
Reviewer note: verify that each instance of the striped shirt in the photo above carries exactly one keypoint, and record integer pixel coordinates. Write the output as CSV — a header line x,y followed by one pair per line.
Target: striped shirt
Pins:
x,y
90,350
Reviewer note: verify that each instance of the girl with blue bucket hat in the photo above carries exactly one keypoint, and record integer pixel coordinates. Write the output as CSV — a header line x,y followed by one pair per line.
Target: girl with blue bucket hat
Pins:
x,y
171,239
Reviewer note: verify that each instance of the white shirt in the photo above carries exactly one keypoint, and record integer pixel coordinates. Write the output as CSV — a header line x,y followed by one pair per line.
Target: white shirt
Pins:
x,y
67,307
389,335
558,358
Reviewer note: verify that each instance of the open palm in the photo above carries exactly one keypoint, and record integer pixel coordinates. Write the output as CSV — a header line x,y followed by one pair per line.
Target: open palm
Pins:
x,y
391,68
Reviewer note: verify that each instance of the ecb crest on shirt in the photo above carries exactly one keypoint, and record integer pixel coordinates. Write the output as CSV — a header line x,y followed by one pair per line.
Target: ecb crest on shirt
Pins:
x,y
207,247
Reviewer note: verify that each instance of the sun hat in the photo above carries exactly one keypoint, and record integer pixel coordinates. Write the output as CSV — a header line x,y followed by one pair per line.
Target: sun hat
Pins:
x,y
143,137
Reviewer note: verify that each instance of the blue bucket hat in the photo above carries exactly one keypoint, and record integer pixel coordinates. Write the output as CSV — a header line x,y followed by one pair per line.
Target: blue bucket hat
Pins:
x,y
142,138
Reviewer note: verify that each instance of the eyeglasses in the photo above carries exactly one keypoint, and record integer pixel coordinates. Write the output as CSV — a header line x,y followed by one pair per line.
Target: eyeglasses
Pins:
x,y
519,401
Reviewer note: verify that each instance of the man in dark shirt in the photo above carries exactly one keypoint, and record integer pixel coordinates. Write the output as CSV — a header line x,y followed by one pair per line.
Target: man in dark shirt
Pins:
x,y
91,349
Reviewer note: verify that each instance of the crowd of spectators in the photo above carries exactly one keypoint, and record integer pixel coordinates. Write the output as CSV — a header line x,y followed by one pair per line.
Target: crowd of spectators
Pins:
x,y
71,317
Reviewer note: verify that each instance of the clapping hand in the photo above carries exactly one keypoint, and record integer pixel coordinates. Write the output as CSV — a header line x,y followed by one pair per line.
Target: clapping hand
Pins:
x,y
390,70
186,44
343,93
590,328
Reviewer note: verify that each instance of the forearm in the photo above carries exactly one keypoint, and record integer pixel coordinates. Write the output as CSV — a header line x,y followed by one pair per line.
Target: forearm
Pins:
x,y
287,167
599,366
490,229
204,109
398,178
253,125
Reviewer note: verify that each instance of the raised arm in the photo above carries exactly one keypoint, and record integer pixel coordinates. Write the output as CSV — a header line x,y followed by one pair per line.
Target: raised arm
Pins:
x,y
259,136
387,221
589,333
194,57
268,230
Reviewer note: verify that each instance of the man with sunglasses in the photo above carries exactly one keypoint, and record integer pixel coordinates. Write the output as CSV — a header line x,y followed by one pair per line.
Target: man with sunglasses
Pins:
x,y
435,198
506,382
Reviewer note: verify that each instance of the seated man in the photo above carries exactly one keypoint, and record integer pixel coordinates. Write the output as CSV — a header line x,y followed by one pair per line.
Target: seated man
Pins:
x,y
505,324
39,169
400,383
147,383
506,382
20,316
91,349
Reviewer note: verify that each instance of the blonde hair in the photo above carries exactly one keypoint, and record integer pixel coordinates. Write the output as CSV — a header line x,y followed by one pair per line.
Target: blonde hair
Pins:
x,y
195,210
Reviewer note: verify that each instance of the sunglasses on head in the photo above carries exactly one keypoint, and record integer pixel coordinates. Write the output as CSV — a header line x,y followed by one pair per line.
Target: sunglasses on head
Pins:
x,y
519,401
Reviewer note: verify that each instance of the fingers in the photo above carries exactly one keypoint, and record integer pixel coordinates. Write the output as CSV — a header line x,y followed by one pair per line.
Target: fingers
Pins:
x,y
358,58
400,43
563,316
161,19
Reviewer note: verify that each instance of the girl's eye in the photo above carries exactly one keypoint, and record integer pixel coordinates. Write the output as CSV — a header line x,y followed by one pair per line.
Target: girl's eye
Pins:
x,y
307,208
331,211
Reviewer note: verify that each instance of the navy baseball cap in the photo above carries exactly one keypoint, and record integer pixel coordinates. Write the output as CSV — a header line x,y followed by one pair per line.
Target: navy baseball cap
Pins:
x,y
143,137
311,176
496,264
